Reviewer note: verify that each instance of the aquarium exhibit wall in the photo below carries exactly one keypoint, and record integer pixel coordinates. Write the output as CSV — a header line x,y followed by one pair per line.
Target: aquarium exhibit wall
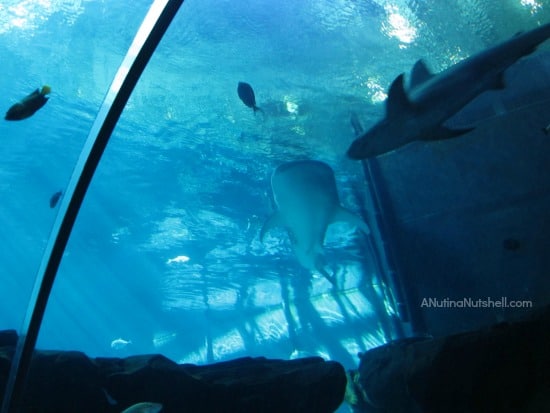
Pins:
x,y
202,234
489,202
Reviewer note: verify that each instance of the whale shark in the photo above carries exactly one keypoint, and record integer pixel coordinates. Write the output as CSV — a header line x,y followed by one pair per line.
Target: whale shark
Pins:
x,y
307,203
419,113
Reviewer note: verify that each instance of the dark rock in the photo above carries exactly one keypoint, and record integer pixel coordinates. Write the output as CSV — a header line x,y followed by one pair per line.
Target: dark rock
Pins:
x,y
501,369
8,338
70,382
62,381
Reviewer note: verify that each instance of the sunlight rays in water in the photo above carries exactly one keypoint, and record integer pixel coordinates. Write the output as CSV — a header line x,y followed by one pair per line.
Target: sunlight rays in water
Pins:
x,y
272,326
399,24
29,14
244,304
352,305
228,344
269,319
376,91
533,5
272,331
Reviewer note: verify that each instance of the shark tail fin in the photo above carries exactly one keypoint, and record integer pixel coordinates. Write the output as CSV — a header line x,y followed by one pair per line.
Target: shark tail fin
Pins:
x,y
272,222
342,214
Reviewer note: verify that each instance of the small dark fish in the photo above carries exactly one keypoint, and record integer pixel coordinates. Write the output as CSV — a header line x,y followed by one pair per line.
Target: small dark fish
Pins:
x,y
246,93
546,130
55,199
29,104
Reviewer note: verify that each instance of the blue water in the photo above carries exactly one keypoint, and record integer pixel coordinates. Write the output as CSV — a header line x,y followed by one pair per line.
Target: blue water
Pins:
x,y
165,254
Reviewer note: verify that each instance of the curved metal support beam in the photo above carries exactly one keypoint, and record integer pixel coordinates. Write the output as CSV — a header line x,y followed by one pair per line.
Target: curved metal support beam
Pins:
x,y
149,35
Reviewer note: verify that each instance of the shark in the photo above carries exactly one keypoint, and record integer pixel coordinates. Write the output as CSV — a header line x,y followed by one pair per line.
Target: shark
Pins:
x,y
419,114
307,202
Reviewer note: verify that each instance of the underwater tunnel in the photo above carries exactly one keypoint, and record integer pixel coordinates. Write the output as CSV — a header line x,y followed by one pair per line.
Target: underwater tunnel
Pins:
x,y
248,200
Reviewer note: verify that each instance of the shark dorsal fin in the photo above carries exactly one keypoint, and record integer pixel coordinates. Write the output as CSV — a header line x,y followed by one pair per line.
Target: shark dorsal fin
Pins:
x,y
419,74
397,101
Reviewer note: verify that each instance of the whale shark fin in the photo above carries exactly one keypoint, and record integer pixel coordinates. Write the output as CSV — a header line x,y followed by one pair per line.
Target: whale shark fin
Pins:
x,y
273,221
397,101
342,214
419,74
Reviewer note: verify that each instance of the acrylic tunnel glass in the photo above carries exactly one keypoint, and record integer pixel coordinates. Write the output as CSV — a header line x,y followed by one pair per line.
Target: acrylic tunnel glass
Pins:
x,y
166,257
67,51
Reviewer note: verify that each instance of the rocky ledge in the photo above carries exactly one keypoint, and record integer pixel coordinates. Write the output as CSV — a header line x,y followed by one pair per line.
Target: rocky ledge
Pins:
x,y
500,369
62,381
